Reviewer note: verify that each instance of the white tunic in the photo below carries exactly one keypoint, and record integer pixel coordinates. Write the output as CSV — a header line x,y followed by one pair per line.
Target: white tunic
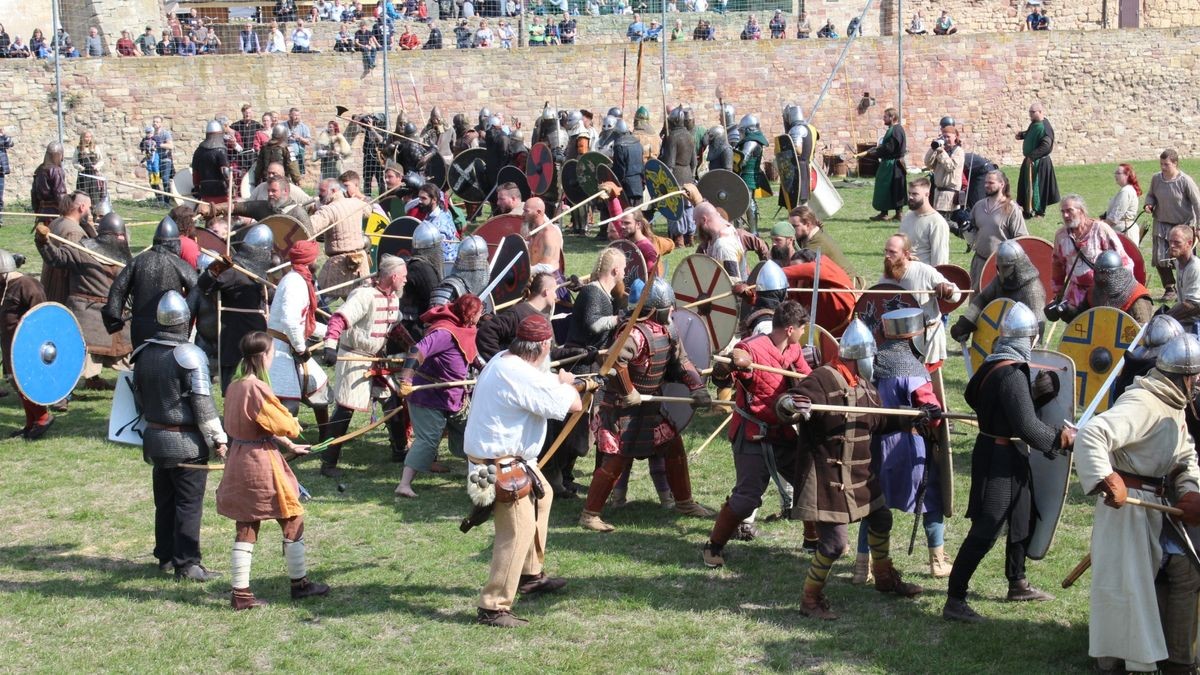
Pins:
x,y
370,314
512,401
289,310
1122,211
1143,433
921,277
929,235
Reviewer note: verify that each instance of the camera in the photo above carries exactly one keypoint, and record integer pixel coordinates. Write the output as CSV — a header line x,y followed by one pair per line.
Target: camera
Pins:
x,y
939,142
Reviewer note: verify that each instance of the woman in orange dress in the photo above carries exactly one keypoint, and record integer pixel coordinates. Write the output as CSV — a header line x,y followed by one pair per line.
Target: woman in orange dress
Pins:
x,y
258,484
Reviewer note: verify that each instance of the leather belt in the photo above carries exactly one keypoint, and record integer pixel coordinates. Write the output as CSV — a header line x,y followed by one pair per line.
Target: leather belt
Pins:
x,y
1133,481
177,428
998,440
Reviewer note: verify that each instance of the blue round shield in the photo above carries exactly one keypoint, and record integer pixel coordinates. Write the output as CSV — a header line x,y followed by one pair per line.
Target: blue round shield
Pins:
x,y
660,181
47,353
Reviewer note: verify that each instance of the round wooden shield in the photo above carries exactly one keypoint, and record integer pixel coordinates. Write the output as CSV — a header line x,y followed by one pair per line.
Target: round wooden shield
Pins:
x,y
47,353
1040,253
287,231
959,277
987,331
872,306
680,414
606,175
570,182
376,225
1050,475
693,333
660,181
788,166
397,238
635,262
726,190
513,174
468,175
1135,254
516,279
699,277
1096,340
435,170
834,310
540,170
824,343
587,171
211,241
497,228
181,186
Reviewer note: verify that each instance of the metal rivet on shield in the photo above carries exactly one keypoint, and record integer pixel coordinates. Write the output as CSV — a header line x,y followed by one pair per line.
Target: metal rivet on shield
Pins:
x,y
48,353
1100,360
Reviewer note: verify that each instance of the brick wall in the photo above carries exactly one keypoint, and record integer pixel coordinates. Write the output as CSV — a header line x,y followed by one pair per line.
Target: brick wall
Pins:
x,y
1114,95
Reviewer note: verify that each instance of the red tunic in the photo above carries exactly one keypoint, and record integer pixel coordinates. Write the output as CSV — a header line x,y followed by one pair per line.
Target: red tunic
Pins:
x,y
759,389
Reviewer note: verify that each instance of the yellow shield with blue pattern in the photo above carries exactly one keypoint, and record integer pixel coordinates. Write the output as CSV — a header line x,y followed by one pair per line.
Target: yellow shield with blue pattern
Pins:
x,y
1096,340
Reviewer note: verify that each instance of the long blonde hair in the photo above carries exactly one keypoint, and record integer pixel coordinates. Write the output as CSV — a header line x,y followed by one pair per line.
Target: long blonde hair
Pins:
x,y
607,261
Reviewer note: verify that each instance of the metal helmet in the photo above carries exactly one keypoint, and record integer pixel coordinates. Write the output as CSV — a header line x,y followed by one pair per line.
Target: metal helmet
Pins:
x,y
1180,356
903,323
410,129
1020,321
460,121
621,128
946,121
727,114
749,123
427,236
609,123
1161,330
615,112
493,122
1010,252
574,119
662,296
643,113
472,253
172,310
714,132
111,223
549,113
675,117
689,117
771,277
7,262
792,116
213,127
413,181
258,237
857,342
1108,261
485,114
167,230
279,132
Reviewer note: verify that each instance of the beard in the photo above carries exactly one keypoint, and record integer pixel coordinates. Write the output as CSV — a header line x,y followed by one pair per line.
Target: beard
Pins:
x,y
915,204
990,191
894,270
782,255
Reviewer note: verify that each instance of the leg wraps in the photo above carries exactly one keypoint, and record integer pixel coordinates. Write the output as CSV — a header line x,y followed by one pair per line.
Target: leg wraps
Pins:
x,y
606,476
879,533
293,556
239,565
818,572
677,470
727,522
338,425
658,473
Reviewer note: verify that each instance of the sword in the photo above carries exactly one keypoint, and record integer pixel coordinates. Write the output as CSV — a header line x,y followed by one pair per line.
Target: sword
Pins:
x,y
966,354
487,292
812,314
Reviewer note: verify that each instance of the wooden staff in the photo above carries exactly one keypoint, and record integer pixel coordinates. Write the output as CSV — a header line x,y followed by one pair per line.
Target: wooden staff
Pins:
x,y
563,214
583,281
143,187
31,215
1078,571
572,359
341,114
641,207
375,200
712,298
341,285
768,369
80,247
1155,506
871,291
821,407
716,432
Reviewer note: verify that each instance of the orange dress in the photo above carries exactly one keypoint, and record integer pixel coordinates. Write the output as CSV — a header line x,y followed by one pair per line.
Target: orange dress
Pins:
x,y
257,483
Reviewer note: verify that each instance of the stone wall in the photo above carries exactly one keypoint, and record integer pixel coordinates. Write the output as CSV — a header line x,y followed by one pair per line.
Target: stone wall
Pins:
x,y
1114,95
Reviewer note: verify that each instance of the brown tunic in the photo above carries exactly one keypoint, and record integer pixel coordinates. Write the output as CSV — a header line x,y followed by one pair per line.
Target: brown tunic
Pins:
x,y
257,483
18,295
88,284
834,482
55,280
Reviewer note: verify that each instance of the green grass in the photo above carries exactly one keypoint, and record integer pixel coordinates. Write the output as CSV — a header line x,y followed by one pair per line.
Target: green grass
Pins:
x,y
79,590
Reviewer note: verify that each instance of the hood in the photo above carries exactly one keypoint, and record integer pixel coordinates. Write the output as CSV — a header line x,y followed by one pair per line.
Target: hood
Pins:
x,y
1158,384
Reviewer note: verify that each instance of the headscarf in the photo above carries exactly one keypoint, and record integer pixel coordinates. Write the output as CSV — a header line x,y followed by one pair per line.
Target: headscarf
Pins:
x,y
302,254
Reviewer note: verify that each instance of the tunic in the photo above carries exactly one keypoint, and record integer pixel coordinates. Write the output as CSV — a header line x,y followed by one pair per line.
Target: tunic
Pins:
x,y
890,193
902,457
55,280
1175,202
87,293
821,241
514,400
18,295
1098,238
1122,211
996,221
257,483
289,310
728,252
758,390
921,277
947,176
243,309
1037,186
367,317
344,244
929,235
1144,433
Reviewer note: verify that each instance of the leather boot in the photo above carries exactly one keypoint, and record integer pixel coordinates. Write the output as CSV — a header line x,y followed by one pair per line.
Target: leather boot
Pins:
x,y
1173,668
303,588
887,580
617,499
1020,591
678,240
242,598
810,537
693,508
713,555
499,618
939,563
688,240
862,570
727,522
816,605
590,520
959,610
666,499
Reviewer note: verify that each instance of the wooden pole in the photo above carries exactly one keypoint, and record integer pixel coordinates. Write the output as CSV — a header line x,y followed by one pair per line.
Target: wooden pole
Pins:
x,y
767,369
562,214
716,432
143,187
79,247
641,207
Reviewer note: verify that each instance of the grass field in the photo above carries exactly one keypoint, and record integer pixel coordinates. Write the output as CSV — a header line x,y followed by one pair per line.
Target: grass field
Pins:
x,y
79,590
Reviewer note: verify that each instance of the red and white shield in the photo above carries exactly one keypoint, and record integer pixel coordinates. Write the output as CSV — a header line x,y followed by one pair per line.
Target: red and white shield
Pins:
x,y
702,286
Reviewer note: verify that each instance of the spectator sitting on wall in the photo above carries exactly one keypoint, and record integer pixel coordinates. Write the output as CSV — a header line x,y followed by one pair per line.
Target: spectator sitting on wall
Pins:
x,y
65,46
199,33
248,41
352,12
803,27
285,10
146,42
37,44
752,31
408,39
212,45
854,28
365,42
125,45
5,41
484,37
1043,22
637,30
944,25
302,39
422,12
778,25
187,47
167,46
700,32
917,26
19,50
462,35
654,32
435,37
828,31
93,46
343,41
678,32
710,31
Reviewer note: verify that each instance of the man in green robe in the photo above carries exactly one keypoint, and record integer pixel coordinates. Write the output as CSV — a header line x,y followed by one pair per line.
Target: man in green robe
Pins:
x,y
1037,186
891,190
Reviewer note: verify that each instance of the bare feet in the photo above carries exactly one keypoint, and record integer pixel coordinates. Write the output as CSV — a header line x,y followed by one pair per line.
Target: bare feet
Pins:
x,y
403,490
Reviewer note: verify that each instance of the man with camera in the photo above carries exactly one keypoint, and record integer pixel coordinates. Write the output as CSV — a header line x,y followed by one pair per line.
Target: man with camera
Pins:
x,y
946,158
